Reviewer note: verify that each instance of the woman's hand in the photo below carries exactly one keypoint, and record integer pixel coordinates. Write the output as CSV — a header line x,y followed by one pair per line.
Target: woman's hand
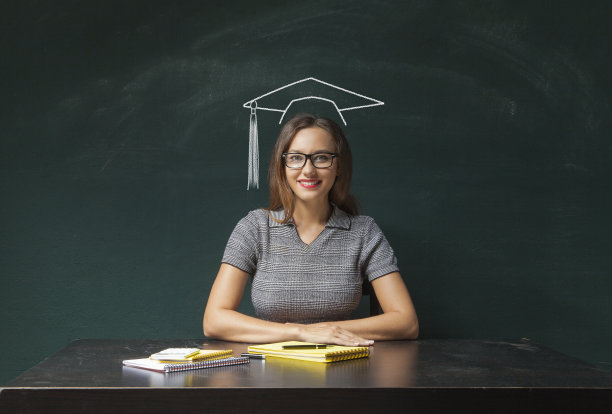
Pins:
x,y
329,334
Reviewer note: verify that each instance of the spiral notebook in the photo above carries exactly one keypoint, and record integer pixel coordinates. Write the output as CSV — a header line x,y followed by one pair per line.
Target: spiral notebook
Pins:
x,y
331,353
160,366
190,354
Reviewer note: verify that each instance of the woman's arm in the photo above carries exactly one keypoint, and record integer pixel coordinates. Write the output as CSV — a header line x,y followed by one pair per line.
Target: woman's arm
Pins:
x,y
222,321
399,320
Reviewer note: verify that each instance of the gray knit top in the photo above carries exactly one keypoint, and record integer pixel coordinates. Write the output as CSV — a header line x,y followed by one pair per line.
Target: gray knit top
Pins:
x,y
307,283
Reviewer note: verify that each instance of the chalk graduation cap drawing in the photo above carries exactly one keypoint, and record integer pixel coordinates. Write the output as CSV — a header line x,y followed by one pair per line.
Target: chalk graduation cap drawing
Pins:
x,y
282,99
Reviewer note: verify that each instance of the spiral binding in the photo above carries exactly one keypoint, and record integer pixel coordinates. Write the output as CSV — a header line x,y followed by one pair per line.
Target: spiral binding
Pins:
x,y
206,364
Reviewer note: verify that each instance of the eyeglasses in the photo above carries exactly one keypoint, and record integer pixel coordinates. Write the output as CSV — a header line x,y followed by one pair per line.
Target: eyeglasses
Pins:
x,y
298,160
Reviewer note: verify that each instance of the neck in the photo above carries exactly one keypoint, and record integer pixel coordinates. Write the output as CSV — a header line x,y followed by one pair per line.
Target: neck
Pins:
x,y
306,214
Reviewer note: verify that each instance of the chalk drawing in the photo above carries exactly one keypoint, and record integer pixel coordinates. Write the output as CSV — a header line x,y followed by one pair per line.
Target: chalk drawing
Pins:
x,y
374,102
253,105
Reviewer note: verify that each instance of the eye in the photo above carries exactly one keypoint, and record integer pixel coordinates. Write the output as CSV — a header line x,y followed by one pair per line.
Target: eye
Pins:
x,y
295,157
322,158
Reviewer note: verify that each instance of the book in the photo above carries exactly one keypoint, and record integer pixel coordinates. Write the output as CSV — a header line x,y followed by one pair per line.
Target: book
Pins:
x,y
160,366
190,354
310,352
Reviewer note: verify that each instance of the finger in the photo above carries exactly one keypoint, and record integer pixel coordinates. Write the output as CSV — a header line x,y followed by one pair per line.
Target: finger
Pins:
x,y
349,338
325,333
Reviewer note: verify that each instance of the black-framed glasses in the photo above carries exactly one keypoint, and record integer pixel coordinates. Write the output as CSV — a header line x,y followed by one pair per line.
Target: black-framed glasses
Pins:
x,y
319,159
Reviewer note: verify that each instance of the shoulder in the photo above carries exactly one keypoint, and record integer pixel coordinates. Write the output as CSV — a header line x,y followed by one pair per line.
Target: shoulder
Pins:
x,y
362,220
257,216
367,229
359,225
363,224
254,220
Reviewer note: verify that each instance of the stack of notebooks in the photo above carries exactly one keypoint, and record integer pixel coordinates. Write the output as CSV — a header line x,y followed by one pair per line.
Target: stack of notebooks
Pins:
x,y
183,359
310,352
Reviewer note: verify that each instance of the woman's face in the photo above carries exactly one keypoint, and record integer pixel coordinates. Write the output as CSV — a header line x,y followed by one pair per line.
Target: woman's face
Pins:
x,y
309,183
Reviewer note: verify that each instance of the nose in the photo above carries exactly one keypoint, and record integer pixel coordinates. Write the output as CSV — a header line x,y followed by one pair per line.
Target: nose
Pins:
x,y
309,167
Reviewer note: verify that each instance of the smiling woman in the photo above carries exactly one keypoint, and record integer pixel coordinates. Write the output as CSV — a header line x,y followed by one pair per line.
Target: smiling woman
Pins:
x,y
311,181
309,134
309,253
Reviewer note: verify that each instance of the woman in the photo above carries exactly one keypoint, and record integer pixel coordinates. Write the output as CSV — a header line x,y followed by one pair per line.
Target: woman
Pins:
x,y
308,254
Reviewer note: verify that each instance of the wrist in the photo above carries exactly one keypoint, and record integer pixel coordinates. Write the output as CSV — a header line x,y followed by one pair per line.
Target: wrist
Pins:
x,y
294,331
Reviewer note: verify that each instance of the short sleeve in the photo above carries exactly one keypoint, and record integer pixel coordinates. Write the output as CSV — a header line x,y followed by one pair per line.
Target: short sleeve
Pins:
x,y
241,248
377,256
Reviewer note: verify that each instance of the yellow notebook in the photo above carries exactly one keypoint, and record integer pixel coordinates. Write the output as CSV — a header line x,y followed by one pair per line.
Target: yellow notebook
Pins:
x,y
190,354
330,353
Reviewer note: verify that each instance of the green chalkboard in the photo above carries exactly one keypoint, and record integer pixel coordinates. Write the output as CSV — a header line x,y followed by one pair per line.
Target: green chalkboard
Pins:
x,y
124,145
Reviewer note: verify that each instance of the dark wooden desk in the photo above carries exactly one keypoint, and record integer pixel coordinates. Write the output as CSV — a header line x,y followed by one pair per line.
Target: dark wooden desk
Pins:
x,y
421,376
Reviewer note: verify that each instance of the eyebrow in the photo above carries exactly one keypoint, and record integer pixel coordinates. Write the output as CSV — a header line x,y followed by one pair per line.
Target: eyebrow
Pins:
x,y
316,152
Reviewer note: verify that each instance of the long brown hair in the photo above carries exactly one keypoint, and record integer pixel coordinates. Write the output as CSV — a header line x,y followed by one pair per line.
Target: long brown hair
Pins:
x,y
281,195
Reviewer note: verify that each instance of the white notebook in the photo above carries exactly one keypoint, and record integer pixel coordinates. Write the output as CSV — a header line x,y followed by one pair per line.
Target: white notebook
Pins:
x,y
159,366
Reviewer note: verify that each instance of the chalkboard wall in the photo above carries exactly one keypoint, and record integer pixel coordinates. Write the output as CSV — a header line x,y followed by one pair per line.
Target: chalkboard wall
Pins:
x,y
124,145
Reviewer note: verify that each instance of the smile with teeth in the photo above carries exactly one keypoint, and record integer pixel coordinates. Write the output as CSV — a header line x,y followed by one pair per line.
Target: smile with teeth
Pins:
x,y
309,183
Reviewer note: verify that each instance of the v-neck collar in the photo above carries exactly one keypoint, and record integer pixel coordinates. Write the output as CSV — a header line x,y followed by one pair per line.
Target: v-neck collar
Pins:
x,y
338,219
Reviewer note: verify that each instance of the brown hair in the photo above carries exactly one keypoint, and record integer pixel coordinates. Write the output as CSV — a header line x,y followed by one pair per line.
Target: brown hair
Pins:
x,y
281,195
